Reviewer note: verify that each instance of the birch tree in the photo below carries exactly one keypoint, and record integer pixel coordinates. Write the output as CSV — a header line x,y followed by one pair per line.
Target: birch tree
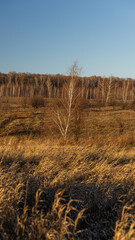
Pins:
x,y
64,108
109,89
126,84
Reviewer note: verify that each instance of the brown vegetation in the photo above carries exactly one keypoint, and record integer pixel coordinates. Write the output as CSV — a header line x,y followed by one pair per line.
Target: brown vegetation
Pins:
x,y
37,101
81,188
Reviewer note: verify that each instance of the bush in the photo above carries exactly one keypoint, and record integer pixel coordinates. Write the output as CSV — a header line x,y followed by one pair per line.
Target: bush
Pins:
x,y
37,101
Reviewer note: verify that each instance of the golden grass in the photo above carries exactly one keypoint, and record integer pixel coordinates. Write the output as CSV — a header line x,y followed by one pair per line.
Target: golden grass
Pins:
x,y
52,189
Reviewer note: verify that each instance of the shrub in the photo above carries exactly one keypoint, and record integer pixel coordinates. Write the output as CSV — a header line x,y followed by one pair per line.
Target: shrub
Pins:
x,y
37,101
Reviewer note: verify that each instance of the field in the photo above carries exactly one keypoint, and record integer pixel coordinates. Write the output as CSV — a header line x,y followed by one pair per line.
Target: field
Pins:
x,y
79,188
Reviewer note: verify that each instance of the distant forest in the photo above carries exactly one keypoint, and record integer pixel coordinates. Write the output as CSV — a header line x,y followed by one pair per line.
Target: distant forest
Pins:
x,y
51,86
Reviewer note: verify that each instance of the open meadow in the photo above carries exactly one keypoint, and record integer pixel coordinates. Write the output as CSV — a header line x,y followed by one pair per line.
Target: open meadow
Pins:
x,y
55,189
67,120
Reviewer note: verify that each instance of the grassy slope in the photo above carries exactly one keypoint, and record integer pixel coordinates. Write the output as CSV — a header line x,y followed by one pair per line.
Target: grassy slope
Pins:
x,y
81,190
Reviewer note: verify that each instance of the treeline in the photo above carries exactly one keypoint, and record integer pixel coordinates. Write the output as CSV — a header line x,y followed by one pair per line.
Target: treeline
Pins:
x,y
50,86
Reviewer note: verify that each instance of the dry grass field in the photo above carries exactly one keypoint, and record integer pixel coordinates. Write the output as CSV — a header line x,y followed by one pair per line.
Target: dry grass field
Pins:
x,y
82,188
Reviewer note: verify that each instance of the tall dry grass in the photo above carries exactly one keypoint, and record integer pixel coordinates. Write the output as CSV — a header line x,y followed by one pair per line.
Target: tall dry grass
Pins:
x,y
50,191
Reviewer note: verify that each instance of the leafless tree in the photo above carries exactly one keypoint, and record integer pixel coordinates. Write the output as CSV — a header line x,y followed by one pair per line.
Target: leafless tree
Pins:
x,y
64,108
109,87
106,87
126,84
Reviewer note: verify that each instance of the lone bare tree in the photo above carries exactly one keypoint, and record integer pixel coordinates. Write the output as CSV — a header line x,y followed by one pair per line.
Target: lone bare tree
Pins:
x,y
64,109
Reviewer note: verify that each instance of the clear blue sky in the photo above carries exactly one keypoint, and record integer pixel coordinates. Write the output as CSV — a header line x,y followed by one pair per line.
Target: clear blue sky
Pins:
x,y
47,36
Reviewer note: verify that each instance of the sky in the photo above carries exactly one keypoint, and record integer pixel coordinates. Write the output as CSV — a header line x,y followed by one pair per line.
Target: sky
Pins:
x,y
48,36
